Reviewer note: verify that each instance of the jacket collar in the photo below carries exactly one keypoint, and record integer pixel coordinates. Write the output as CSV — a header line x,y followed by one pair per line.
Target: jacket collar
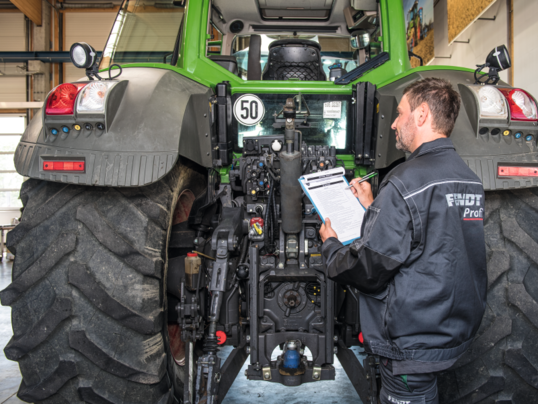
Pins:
x,y
434,145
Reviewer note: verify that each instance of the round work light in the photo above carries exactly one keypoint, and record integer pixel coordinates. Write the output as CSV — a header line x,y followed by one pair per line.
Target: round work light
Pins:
x,y
82,55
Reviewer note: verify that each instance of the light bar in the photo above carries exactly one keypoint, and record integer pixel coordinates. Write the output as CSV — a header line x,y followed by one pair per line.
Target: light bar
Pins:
x,y
64,165
514,171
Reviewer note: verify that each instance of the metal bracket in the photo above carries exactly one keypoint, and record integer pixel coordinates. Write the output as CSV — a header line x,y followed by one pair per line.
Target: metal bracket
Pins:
x,y
266,371
316,373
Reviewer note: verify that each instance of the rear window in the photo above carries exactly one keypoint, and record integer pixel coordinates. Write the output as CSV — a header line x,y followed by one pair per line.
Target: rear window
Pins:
x,y
322,119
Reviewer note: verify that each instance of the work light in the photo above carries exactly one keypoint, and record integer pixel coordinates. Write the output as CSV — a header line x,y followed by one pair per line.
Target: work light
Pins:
x,y
82,55
499,58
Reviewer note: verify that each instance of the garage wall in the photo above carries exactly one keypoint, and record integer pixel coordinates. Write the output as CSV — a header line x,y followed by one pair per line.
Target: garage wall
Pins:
x,y
12,40
92,28
483,36
525,49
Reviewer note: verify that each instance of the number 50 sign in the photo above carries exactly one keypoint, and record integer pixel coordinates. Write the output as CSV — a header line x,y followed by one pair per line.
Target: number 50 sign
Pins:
x,y
249,110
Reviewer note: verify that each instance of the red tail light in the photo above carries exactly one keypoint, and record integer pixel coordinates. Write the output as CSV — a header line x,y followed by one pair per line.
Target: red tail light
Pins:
x,y
64,165
62,100
510,171
522,105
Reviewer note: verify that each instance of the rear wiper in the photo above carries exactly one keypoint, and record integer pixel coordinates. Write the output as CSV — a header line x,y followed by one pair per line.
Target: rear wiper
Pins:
x,y
364,68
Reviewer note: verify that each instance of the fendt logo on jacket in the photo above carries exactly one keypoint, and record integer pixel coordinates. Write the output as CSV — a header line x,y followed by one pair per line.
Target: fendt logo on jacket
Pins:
x,y
467,200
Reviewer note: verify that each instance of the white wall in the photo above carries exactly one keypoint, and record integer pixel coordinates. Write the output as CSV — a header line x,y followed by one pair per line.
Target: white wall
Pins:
x,y
482,35
12,39
526,45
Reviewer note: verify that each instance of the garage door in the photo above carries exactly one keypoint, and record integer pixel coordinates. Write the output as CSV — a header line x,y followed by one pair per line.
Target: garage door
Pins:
x,y
92,28
12,34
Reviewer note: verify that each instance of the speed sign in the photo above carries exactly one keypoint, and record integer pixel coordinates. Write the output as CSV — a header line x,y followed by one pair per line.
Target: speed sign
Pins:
x,y
249,110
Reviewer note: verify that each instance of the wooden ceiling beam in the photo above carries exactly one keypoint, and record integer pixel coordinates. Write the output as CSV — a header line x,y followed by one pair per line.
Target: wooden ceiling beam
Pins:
x,y
31,9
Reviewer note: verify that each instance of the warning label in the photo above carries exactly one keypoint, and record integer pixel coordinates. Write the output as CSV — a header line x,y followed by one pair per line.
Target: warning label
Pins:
x,y
332,109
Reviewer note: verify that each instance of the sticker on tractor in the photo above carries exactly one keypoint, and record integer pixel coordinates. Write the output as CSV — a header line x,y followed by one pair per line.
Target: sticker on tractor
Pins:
x,y
249,110
332,109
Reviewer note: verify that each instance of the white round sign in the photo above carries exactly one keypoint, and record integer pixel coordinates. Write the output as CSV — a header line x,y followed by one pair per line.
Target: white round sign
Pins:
x,y
249,110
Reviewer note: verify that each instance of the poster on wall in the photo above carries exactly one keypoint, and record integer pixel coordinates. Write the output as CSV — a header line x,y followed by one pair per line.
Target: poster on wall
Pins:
x,y
419,29
462,13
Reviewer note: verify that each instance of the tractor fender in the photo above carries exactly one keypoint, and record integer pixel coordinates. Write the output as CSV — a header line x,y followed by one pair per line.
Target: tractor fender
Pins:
x,y
152,116
484,152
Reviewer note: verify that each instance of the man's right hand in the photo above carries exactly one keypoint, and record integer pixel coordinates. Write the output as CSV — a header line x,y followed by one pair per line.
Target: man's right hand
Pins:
x,y
363,191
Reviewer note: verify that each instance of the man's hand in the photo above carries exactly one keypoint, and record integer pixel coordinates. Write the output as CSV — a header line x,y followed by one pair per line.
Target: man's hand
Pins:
x,y
363,191
327,231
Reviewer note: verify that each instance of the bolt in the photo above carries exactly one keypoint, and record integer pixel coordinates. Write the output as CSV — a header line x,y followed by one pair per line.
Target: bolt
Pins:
x,y
382,116
266,375
248,349
206,135
207,154
335,350
315,375
205,115
248,338
335,338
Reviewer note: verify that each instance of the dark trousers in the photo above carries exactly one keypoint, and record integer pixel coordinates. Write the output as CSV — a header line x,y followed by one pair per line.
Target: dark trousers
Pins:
x,y
407,389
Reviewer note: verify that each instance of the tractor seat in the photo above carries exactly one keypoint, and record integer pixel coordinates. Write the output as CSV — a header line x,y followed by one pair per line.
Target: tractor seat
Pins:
x,y
228,62
294,59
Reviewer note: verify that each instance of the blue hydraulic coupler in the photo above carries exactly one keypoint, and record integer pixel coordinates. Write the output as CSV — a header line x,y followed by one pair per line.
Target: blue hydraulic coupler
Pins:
x,y
292,359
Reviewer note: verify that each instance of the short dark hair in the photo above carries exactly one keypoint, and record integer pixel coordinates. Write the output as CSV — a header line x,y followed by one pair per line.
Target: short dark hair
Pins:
x,y
443,100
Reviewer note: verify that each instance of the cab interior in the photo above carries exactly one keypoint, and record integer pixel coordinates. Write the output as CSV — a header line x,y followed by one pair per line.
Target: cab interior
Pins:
x,y
297,40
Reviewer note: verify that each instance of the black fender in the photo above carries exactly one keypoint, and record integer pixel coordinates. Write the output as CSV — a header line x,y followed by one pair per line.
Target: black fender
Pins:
x,y
152,116
483,153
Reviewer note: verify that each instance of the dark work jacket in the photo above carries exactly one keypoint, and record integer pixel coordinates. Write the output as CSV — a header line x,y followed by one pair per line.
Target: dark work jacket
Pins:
x,y
420,264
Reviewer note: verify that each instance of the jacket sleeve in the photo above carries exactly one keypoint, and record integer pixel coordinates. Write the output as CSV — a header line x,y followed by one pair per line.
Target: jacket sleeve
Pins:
x,y
369,263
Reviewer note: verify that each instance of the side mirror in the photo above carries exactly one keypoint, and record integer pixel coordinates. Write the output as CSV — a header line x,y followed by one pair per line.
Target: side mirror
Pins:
x,y
497,60
360,39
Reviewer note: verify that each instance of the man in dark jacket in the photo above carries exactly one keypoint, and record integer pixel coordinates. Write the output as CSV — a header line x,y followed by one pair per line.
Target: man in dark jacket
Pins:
x,y
420,264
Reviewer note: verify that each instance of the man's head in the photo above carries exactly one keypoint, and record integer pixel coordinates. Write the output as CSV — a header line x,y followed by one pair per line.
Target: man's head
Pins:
x,y
427,111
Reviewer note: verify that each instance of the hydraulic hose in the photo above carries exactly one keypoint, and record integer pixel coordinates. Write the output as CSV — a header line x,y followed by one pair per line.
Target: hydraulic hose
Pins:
x,y
268,220
274,223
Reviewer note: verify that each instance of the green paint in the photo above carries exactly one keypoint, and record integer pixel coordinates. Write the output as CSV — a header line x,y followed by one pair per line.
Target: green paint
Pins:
x,y
193,64
224,175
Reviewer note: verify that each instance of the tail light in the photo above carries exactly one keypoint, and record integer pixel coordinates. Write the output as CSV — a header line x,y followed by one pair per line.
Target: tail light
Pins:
x,y
64,166
517,171
92,98
62,99
491,102
522,105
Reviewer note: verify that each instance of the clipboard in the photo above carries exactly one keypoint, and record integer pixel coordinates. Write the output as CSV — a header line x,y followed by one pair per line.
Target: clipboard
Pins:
x,y
329,193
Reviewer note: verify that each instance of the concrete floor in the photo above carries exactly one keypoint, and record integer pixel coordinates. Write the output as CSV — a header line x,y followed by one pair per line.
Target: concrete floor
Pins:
x,y
243,391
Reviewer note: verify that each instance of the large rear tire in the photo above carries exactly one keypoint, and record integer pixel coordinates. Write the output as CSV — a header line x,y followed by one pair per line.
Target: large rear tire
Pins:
x,y
88,295
502,364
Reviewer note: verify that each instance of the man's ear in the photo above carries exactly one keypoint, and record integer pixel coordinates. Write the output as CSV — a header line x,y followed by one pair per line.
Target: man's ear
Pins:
x,y
422,112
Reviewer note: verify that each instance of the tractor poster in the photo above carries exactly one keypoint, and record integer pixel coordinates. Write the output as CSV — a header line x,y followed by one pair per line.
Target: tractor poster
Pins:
x,y
419,29
462,13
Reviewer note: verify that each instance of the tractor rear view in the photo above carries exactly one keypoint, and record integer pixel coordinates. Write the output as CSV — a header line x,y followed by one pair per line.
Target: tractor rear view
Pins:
x,y
163,217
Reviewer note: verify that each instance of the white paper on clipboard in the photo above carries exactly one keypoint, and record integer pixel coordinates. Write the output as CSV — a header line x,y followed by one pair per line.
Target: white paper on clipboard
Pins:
x,y
329,194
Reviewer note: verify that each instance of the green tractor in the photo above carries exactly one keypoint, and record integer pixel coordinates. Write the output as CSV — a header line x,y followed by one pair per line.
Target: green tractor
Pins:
x,y
163,218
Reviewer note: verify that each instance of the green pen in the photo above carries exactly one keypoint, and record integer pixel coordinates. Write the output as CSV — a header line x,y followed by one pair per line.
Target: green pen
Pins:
x,y
365,178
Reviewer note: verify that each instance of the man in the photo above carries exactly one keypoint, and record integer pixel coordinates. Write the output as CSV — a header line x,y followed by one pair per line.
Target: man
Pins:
x,y
420,264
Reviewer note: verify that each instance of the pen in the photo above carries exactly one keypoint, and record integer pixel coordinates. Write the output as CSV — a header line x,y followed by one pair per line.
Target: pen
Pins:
x,y
365,178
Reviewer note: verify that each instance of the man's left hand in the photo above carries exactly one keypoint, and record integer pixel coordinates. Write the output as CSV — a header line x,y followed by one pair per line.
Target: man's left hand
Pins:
x,y
327,231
